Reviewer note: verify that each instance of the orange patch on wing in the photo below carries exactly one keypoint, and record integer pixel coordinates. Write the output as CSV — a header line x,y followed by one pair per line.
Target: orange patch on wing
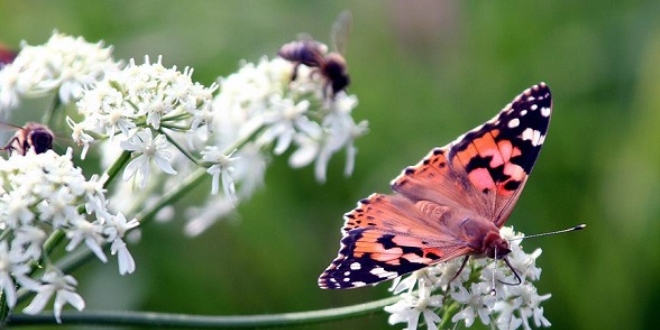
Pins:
x,y
483,146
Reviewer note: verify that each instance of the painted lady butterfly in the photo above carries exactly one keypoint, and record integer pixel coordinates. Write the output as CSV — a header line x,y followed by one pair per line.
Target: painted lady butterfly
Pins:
x,y
451,204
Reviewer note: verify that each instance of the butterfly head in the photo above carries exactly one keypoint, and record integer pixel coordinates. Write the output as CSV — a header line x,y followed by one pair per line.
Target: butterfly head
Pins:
x,y
494,246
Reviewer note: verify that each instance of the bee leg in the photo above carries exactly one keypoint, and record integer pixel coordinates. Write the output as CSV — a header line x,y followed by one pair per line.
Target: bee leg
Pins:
x,y
10,145
294,75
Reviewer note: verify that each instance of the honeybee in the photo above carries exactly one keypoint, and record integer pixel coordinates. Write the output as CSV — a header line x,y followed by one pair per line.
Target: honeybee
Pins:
x,y
33,135
332,66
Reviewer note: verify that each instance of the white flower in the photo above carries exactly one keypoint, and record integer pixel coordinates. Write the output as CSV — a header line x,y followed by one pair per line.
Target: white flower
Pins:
x,y
79,136
343,128
147,149
63,287
281,120
410,307
115,231
249,170
126,262
247,96
476,301
510,308
524,300
10,266
27,243
222,165
90,233
64,62
311,146
142,95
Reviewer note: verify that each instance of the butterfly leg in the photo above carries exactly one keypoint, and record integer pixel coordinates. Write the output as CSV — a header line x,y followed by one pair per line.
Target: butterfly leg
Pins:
x,y
465,260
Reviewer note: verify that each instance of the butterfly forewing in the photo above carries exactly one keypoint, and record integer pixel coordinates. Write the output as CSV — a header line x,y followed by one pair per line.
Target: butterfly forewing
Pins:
x,y
486,168
499,155
478,177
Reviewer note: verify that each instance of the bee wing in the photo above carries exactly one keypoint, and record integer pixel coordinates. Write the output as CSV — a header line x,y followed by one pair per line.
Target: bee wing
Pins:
x,y
9,126
341,30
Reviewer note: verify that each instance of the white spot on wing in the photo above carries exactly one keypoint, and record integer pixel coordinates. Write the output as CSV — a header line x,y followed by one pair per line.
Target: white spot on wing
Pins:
x,y
382,273
358,283
533,135
524,112
356,266
534,107
545,112
514,123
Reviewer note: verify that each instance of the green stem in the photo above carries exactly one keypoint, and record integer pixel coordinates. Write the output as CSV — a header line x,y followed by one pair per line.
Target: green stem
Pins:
x,y
53,240
116,167
172,196
197,321
180,148
48,114
448,314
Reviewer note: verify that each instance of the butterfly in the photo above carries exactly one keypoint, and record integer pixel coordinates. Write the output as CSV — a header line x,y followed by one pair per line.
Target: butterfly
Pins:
x,y
451,204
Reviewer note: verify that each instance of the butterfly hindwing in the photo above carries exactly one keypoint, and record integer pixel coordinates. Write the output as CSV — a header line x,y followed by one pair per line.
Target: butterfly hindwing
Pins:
x,y
381,242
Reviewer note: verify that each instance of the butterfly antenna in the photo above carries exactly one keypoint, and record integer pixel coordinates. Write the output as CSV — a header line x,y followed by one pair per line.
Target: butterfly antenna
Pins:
x,y
575,228
493,291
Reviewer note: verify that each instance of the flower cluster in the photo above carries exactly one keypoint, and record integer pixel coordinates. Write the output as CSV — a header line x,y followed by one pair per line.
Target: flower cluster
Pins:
x,y
41,195
136,103
159,131
64,64
482,290
262,111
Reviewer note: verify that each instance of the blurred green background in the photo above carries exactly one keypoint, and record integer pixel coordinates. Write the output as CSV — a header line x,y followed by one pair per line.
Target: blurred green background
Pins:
x,y
424,72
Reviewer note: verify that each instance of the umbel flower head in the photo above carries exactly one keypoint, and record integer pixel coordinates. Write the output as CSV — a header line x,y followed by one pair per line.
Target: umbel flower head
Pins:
x,y
263,110
139,98
469,297
39,195
63,64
